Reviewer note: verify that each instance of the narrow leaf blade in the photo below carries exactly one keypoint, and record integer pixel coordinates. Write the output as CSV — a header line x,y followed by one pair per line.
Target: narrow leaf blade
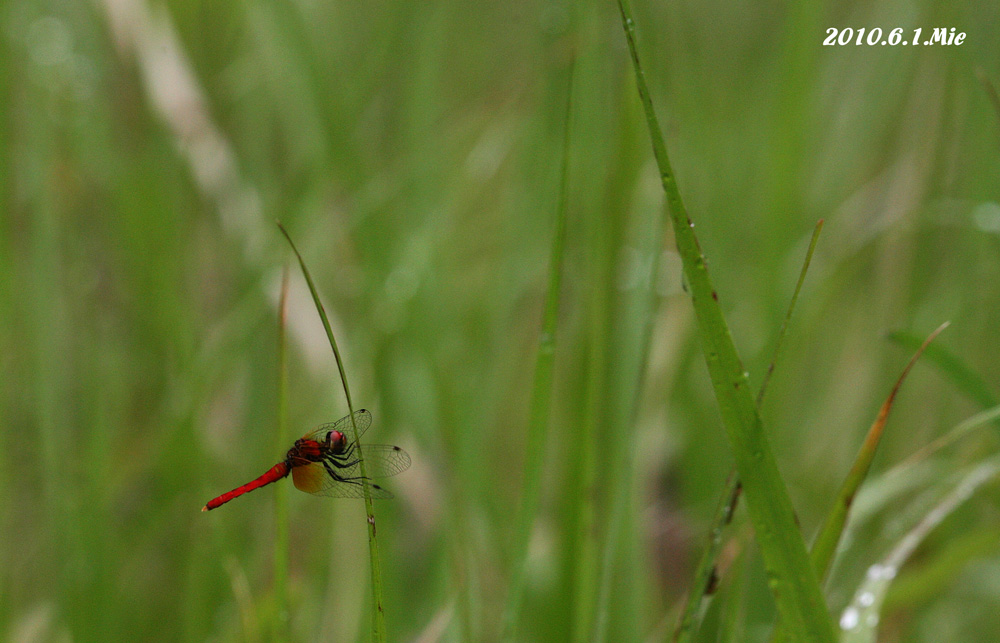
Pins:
x,y
791,577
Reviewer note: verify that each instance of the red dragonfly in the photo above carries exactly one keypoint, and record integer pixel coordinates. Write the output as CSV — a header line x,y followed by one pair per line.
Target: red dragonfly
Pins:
x,y
327,463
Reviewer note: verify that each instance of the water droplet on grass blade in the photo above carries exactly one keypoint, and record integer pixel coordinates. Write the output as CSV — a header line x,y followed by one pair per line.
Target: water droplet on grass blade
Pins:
x,y
987,217
876,572
849,619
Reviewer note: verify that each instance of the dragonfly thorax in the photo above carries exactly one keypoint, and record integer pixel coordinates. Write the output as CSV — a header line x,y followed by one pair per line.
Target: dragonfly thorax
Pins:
x,y
309,449
305,450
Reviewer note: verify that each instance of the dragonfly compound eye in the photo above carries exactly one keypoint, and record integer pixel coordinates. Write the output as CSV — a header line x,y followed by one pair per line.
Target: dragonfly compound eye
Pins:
x,y
336,440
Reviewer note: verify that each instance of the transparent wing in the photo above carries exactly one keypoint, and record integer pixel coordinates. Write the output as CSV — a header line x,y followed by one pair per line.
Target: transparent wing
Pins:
x,y
361,417
381,461
342,479
313,478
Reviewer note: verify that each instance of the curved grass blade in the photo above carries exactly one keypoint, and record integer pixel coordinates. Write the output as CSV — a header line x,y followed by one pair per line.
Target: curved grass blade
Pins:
x,y
916,472
859,620
966,379
791,576
829,535
541,397
966,426
894,488
788,314
705,572
378,614
825,546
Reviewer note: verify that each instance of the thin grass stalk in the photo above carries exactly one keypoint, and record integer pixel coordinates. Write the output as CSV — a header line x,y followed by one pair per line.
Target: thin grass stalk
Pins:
x,y
704,576
621,485
585,572
734,610
788,314
620,504
49,351
991,415
791,577
829,535
279,630
965,379
825,545
541,396
378,611
590,529
991,90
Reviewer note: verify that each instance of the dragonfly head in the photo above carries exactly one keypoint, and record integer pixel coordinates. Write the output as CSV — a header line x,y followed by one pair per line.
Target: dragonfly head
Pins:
x,y
336,441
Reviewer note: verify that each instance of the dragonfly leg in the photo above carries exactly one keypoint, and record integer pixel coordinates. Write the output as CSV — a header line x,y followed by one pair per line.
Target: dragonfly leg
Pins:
x,y
339,478
337,460
333,474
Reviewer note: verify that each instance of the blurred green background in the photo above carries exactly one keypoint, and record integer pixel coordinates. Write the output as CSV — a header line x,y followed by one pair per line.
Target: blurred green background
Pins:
x,y
414,151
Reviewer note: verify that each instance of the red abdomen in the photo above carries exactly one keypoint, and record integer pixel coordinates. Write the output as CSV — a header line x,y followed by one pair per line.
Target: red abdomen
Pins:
x,y
277,472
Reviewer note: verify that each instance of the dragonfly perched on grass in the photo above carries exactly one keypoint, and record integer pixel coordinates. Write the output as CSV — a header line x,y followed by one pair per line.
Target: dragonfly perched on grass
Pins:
x,y
327,462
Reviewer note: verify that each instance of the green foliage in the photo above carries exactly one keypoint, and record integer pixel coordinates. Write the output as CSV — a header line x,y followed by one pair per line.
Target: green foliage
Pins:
x,y
415,153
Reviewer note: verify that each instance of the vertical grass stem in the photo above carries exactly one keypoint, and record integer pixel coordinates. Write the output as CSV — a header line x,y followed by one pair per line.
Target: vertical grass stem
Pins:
x,y
378,612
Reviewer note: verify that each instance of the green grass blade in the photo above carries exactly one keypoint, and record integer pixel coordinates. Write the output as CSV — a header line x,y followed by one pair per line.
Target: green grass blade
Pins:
x,y
965,379
921,582
378,612
829,535
541,397
991,90
825,546
991,415
788,314
791,577
705,571
585,567
859,620
279,631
